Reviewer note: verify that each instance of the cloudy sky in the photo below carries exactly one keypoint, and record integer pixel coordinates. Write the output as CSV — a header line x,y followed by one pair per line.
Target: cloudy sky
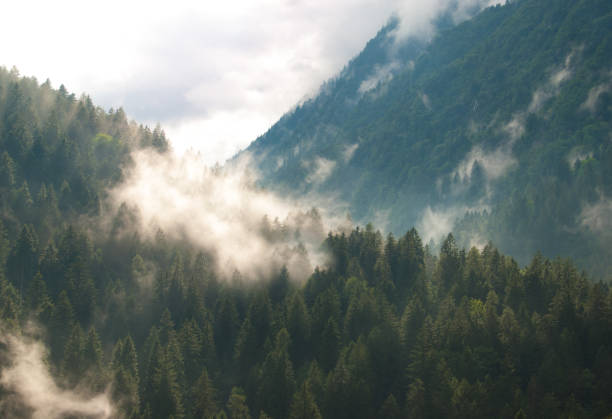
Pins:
x,y
214,74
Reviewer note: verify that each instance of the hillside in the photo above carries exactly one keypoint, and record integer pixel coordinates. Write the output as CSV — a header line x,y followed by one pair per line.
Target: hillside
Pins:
x,y
499,128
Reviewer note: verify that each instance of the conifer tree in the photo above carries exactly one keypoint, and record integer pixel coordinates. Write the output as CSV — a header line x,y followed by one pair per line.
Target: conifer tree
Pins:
x,y
236,405
204,396
303,405
277,382
298,326
73,357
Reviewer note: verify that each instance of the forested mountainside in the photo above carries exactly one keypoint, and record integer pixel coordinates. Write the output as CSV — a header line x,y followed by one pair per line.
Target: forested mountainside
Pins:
x,y
499,126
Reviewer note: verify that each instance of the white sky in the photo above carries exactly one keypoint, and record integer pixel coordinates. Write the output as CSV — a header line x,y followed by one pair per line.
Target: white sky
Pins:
x,y
215,74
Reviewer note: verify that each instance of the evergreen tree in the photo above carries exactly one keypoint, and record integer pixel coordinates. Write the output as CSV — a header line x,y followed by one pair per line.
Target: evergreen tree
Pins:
x,y
298,326
23,260
303,405
62,322
204,396
166,399
390,409
93,361
277,383
73,357
236,405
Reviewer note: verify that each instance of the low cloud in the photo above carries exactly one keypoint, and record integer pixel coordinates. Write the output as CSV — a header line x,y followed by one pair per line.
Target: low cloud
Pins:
x,y
551,89
494,163
426,101
576,155
597,217
320,170
221,210
418,19
516,127
382,74
32,391
590,103
349,152
498,161
436,223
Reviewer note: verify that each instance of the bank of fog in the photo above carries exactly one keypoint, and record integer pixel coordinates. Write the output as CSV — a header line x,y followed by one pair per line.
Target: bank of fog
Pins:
x,y
29,390
223,212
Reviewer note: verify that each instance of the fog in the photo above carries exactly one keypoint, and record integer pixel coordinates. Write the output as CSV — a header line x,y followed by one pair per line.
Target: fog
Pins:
x,y
320,169
597,217
592,100
33,392
494,163
382,74
436,223
221,210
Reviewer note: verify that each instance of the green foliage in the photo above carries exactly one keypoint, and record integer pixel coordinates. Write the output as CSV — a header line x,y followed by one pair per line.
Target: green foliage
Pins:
x,y
205,406
303,405
466,335
236,405
277,383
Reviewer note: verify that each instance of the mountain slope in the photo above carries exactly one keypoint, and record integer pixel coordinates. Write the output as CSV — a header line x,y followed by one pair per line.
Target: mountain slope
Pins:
x,y
504,118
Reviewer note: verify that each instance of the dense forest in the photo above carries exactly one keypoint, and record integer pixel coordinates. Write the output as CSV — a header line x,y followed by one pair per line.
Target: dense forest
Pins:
x,y
500,124
386,329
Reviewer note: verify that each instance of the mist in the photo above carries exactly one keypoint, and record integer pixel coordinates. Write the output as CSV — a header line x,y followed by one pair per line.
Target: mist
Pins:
x,y
494,163
320,169
515,128
222,211
436,223
592,100
418,18
33,392
382,74
597,217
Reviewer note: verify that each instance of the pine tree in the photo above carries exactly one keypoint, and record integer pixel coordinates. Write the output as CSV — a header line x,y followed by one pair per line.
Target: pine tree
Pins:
x,y
277,382
303,405
298,326
166,399
329,345
390,409
152,358
4,248
176,303
62,321
225,327
23,261
415,400
279,286
73,361
204,396
254,332
10,304
236,405
7,171
190,338
449,265
93,361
